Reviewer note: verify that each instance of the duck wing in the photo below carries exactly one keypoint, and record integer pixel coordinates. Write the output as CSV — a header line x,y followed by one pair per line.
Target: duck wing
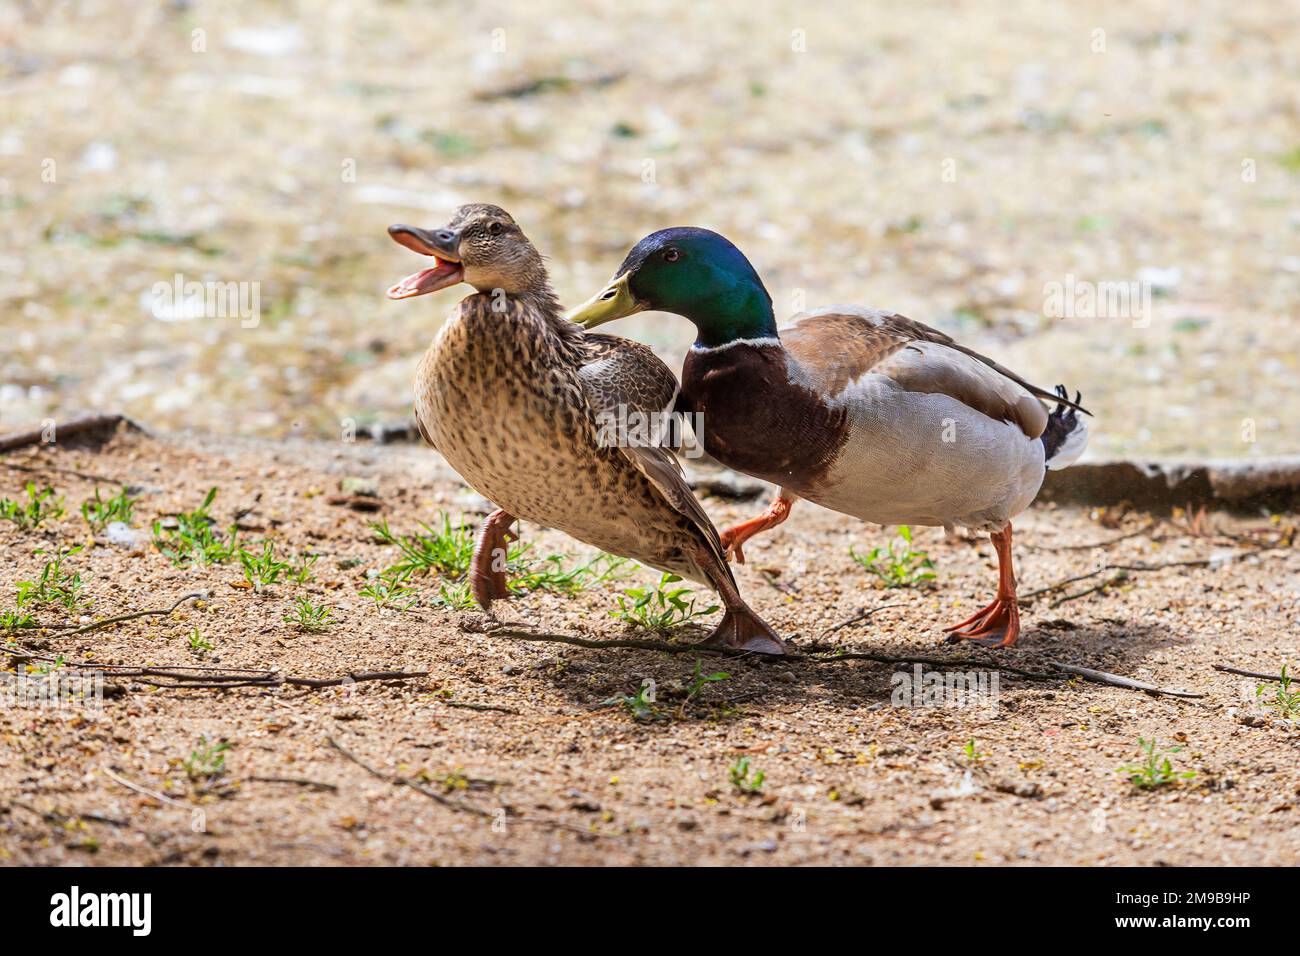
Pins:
x,y
624,374
836,346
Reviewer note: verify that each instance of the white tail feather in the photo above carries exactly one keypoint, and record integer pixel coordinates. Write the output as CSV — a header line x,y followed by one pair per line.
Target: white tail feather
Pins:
x,y
1072,448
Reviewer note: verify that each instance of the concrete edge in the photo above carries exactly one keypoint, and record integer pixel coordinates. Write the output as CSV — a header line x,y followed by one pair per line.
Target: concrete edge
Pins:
x,y
1268,483
1271,484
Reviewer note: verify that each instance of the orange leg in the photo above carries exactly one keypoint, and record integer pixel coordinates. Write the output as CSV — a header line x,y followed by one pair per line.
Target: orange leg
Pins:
x,y
487,569
997,625
776,512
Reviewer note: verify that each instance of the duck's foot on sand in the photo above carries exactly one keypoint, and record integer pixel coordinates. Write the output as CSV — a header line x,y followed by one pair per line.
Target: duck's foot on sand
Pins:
x,y
742,629
997,625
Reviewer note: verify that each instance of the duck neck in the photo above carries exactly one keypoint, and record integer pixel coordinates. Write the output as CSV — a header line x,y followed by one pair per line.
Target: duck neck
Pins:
x,y
744,312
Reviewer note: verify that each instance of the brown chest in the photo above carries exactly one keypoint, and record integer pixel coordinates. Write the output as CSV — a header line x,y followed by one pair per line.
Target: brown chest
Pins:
x,y
757,420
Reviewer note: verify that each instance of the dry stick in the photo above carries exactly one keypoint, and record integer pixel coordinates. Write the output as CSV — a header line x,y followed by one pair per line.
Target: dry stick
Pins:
x,y
136,670
1237,670
471,706
224,682
1121,576
212,678
145,790
1025,599
162,612
963,662
1192,563
623,642
959,662
1114,680
1151,525
862,615
405,782
350,678
297,781
447,801
54,816
1096,676
770,577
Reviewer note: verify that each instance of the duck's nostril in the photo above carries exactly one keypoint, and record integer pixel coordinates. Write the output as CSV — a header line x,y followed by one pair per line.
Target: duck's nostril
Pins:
x,y
445,235
609,294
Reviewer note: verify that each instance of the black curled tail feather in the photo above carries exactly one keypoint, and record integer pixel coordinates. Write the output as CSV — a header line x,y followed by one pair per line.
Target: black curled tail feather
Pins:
x,y
1066,435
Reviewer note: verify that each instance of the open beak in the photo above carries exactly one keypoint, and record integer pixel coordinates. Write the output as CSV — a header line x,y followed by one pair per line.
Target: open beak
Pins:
x,y
443,245
614,302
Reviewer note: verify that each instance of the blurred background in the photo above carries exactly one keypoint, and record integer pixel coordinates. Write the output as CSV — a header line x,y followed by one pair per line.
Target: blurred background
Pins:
x,y
950,161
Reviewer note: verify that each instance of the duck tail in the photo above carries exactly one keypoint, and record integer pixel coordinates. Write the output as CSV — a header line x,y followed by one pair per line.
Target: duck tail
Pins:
x,y
1066,435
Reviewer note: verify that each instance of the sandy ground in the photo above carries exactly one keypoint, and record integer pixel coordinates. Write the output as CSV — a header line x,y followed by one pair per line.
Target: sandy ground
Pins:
x,y
524,764
947,159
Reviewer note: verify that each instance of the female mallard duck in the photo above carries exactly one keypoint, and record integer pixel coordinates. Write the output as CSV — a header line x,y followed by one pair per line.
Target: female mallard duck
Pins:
x,y
516,399
860,411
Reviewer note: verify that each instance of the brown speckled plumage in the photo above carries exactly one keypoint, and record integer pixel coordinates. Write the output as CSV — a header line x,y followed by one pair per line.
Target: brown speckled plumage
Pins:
x,y
502,395
520,402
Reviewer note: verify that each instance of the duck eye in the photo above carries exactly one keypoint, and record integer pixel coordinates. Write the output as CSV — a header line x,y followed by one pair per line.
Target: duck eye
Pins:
x,y
494,229
671,255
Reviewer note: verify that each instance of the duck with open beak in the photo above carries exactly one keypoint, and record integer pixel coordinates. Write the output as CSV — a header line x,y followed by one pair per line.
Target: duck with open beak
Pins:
x,y
520,403
443,245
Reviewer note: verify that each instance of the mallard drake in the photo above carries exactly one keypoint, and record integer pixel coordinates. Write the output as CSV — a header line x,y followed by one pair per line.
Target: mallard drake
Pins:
x,y
861,411
517,399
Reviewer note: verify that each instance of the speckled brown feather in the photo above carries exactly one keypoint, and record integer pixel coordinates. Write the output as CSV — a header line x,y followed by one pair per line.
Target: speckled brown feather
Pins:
x,y
501,394
623,372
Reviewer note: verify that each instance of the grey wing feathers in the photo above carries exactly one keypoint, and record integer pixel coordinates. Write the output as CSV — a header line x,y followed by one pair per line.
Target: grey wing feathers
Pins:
x,y
622,372
862,338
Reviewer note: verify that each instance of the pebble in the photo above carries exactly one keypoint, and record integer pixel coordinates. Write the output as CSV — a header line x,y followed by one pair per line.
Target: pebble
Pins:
x,y
121,535
354,485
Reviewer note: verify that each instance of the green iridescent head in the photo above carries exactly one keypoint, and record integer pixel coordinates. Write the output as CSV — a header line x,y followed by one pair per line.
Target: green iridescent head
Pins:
x,y
690,272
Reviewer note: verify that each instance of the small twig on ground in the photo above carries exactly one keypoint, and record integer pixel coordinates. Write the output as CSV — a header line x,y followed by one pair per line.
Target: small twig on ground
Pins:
x,y
1256,674
400,781
1149,526
451,804
1120,576
629,643
298,781
269,679
862,615
1026,599
210,678
772,578
471,706
1114,680
60,819
1139,568
145,791
963,663
157,612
